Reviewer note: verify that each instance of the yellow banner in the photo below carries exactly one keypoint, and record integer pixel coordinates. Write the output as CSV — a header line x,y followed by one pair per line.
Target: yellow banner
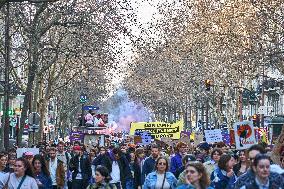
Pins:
x,y
159,129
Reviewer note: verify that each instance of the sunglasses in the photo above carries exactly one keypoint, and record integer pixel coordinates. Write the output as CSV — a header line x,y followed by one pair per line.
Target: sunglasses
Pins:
x,y
191,172
162,163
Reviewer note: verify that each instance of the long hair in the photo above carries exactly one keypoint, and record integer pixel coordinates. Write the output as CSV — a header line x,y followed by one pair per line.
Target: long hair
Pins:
x,y
27,165
237,167
43,164
204,181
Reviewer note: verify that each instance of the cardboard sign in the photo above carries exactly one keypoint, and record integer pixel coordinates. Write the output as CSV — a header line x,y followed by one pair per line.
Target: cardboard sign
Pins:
x,y
244,135
21,151
213,136
166,140
159,129
145,137
198,138
278,148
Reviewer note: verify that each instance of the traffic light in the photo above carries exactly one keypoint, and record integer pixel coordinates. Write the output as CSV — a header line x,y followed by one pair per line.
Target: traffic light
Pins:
x,y
256,120
11,112
208,84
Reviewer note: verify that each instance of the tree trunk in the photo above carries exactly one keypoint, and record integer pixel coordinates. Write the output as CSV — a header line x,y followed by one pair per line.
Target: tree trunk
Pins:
x,y
28,97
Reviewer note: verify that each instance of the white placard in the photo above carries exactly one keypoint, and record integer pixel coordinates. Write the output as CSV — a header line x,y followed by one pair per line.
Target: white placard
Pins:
x,y
244,134
212,136
21,151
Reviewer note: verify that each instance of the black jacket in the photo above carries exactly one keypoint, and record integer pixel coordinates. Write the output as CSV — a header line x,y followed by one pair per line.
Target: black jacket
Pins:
x,y
85,166
135,168
103,160
124,168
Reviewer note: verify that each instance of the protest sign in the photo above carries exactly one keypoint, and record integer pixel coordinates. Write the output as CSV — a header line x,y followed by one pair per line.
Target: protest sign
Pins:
x,y
76,136
226,136
166,140
232,137
158,129
198,138
244,134
20,151
145,137
212,136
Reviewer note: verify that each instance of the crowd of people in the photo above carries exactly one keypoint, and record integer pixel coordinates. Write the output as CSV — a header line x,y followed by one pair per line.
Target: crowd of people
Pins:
x,y
127,166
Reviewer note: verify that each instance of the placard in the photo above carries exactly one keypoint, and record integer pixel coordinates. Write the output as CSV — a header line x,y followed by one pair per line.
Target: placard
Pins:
x,y
198,138
159,129
76,136
244,135
213,136
21,151
145,137
226,136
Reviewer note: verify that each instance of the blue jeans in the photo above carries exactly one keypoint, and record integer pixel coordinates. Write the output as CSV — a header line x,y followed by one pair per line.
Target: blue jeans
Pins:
x,y
129,184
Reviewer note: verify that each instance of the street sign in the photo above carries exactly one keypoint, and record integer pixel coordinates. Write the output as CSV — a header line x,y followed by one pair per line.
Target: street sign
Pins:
x,y
34,118
83,98
91,108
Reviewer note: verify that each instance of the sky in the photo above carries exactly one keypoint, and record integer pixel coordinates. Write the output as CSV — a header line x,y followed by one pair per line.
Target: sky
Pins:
x,y
145,11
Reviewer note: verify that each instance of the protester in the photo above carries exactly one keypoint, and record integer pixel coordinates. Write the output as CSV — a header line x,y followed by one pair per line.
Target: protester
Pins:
x,y
187,158
196,177
29,156
12,155
211,165
242,166
121,173
263,178
203,155
135,170
161,177
223,177
103,159
23,177
249,175
56,169
62,155
3,171
149,164
92,155
176,161
102,179
42,174
81,169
